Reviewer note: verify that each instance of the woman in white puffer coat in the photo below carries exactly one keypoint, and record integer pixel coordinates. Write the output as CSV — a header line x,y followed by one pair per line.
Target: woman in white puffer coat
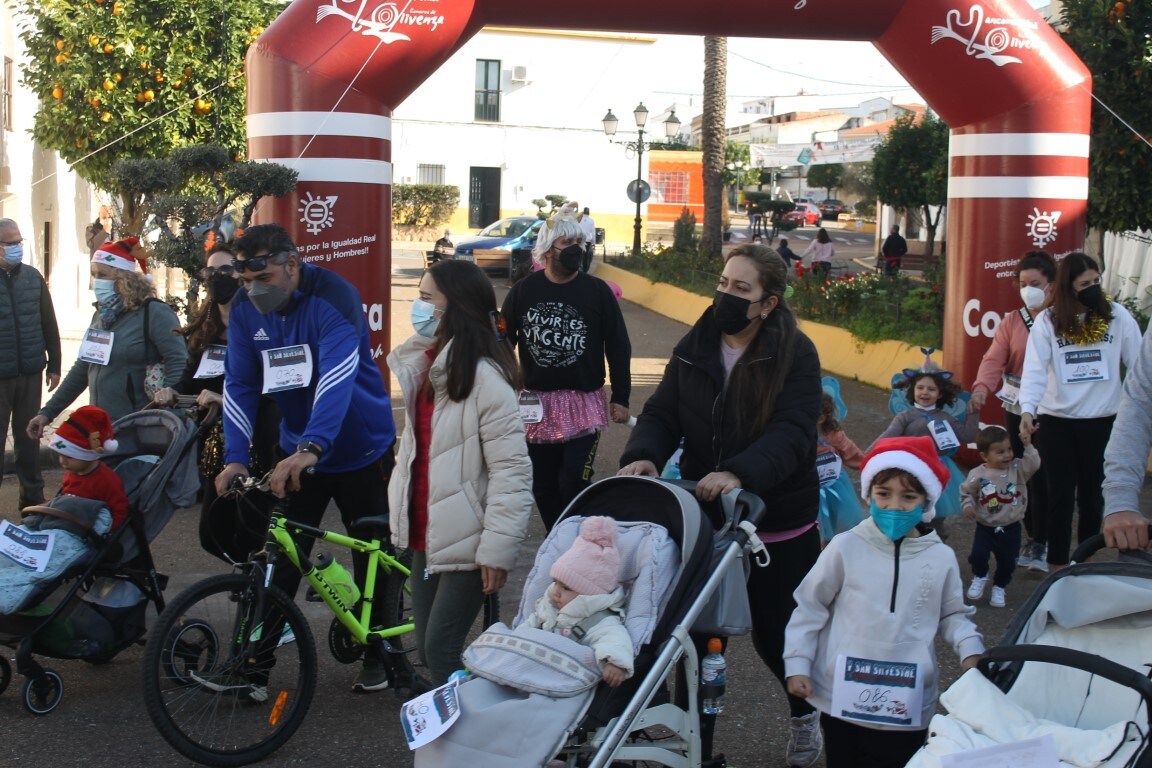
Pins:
x,y
461,494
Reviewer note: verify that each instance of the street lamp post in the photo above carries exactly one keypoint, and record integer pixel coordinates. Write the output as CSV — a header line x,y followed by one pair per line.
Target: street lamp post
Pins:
x,y
736,172
639,147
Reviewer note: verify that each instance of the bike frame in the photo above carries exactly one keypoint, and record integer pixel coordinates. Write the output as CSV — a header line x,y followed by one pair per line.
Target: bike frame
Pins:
x,y
283,531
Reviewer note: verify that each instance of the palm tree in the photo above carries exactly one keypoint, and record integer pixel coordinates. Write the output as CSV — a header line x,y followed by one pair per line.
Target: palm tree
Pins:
x,y
712,141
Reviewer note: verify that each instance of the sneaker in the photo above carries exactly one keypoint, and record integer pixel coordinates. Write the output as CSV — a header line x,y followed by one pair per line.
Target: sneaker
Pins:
x,y
1040,559
1027,554
976,588
373,677
239,687
997,598
805,741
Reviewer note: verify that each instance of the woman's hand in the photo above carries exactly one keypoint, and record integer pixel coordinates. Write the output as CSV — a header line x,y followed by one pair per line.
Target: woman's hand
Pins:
x,y
493,579
1028,426
977,401
35,428
716,484
165,397
642,467
1126,531
799,686
206,399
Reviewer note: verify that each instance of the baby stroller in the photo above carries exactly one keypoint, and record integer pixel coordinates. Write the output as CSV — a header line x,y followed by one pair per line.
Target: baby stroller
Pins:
x,y
672,567
92,605
1074,664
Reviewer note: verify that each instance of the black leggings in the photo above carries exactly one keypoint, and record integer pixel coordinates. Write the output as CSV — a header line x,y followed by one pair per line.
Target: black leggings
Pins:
x,y
848,745
1072,452
559,472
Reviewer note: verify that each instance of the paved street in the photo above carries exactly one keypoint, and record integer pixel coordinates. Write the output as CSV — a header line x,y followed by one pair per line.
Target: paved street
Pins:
x,y
101,722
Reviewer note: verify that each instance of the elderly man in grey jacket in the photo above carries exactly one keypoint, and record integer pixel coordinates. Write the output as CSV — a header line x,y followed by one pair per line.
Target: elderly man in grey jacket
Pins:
x,y
29,345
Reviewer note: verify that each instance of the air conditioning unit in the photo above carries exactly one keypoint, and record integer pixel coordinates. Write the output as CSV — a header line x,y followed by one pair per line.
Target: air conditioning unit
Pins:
x,y
520,75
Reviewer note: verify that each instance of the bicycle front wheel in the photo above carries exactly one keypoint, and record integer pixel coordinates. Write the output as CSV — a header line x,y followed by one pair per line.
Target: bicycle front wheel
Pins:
x,y
227,684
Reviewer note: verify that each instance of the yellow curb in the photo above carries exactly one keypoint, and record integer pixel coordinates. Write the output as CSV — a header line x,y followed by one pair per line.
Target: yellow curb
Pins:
x,y
840,352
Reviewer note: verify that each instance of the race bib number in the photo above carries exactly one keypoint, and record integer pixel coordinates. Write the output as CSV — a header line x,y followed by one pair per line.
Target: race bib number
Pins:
x,y
29,549
211,362
531,409
287,368
943,435
1080,366
1010,391
828,468
877,691
429,715
96,347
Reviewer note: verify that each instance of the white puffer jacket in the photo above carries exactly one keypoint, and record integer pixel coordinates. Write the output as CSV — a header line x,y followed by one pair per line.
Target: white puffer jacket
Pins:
x,y
479,473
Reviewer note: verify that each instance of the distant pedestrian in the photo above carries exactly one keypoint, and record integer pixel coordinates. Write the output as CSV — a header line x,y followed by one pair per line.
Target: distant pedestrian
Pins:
x,y
893,250
443,248
822,252
787,253
29,346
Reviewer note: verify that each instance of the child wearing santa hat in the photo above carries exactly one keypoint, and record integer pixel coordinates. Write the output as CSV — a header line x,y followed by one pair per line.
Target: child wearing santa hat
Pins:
x,y
860,645
80,443
586,602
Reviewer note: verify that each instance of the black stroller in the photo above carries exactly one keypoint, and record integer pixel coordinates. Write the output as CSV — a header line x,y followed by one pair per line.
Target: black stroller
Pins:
x,y
94,606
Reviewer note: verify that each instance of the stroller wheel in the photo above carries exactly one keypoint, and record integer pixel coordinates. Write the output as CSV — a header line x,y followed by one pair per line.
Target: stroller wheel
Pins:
x,y
42,695
5,674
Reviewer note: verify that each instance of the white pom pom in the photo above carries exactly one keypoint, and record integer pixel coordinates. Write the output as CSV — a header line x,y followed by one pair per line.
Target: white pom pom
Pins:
x,y
111,445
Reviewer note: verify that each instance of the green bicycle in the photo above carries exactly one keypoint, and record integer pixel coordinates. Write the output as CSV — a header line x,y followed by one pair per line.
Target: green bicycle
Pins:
x,y
230,667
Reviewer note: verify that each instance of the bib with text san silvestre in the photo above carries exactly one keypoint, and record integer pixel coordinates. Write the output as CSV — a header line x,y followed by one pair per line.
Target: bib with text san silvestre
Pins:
x,y
286,368
211,362
878,691
1080,366
96,346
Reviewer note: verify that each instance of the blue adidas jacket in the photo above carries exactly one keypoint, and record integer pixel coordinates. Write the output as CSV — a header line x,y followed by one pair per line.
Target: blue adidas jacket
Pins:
x,y
345,409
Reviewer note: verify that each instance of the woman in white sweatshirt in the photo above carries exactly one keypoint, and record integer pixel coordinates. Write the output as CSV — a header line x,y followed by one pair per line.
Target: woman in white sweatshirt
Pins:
x,y
821,250
1069,394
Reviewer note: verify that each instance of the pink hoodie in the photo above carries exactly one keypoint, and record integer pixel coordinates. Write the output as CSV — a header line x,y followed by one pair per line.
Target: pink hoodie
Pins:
x,y
1006,355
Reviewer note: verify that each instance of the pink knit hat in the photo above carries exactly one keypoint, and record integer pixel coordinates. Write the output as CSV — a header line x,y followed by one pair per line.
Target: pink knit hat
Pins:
x,y
592,565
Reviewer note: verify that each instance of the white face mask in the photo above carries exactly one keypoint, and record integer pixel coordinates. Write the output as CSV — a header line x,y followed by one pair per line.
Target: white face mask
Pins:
x,y
1032,296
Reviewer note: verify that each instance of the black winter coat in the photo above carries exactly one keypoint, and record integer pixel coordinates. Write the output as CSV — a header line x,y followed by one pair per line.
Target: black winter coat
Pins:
x,y
779,466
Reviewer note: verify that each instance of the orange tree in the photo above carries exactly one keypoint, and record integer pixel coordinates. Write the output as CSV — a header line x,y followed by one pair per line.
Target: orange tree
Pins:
x,y
123,79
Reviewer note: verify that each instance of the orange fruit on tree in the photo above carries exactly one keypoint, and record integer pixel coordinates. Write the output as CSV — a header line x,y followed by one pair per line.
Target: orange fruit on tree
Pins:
x,y
59,45
106,117
117,77
117,9
149,94
95,102
93,40
177,84
61,58
81,142
108,47
140,97
108,84
57,92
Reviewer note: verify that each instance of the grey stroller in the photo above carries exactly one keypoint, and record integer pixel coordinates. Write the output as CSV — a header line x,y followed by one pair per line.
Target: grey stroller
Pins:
x,y
93,606
671,574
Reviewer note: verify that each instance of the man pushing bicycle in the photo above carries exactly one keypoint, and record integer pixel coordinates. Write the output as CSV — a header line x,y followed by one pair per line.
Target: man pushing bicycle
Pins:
x,y
297,333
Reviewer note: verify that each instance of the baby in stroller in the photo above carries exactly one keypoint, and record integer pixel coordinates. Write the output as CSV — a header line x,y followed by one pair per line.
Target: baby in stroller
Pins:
x,y
586,601
80,443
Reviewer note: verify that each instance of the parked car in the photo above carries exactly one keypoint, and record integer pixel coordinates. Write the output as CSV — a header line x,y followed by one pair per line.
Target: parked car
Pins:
x,y
805,213
799,200
831,208
516,234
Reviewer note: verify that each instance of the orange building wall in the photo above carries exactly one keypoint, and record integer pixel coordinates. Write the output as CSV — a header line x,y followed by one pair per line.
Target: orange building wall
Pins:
x,y
690,163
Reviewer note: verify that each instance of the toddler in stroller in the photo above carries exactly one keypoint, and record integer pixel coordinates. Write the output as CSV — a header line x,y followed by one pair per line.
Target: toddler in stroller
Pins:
x,y
89,601
547,686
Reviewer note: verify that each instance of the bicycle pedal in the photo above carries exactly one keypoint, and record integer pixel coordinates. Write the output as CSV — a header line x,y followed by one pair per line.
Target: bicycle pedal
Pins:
x,y
312,596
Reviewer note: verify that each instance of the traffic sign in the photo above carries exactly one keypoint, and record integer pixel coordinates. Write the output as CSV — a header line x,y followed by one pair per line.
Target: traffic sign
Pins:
x,y
645,190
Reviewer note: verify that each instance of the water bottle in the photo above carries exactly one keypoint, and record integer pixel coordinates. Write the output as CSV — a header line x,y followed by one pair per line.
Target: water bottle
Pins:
x,y
672,467
338,578
713,677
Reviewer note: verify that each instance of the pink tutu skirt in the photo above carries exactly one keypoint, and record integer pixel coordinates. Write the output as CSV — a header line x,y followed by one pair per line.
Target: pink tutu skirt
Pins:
x,y
569,414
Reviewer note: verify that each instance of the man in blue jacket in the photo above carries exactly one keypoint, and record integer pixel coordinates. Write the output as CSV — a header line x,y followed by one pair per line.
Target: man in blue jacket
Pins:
x,y
297,332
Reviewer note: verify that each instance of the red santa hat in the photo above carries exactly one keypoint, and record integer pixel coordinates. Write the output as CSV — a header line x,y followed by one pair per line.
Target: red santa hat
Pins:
x,y
119,255
85,435
915,455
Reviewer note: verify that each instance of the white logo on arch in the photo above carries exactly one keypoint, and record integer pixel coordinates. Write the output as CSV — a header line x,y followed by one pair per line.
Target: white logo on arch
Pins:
x,y
1042,227
316,212
986,38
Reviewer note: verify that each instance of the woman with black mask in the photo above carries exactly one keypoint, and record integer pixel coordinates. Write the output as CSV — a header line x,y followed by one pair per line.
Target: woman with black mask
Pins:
x,y
1069,395
225,531
742,389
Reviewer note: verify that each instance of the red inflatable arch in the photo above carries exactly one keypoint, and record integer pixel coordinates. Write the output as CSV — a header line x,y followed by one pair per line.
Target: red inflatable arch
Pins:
x,y
324,78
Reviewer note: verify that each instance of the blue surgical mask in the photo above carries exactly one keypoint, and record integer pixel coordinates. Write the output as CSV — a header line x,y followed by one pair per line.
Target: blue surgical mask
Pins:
x,y
105,290
14,254
895,523
424,318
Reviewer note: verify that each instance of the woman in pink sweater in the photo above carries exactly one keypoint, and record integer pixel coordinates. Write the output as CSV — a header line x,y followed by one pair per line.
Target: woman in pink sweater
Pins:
x,y
1000,374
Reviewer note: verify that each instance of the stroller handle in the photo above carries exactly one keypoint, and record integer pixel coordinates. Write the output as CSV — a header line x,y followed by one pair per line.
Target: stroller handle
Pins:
x,y
1095,543
749,506
1067,657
